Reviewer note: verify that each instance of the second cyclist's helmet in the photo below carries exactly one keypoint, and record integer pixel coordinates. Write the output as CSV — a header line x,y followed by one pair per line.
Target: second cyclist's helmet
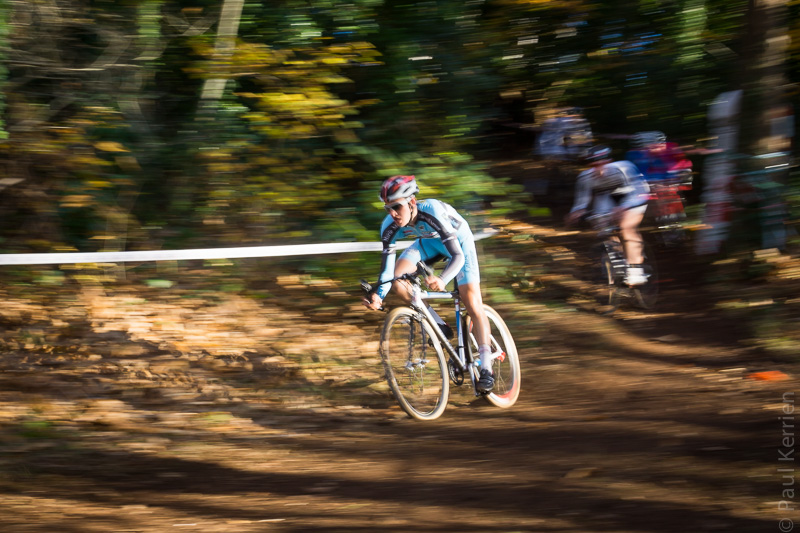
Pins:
x,y
643,139
597,153
398,187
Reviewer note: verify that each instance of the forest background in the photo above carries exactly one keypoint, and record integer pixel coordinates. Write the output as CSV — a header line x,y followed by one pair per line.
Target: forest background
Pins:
x,y
160,124
248,395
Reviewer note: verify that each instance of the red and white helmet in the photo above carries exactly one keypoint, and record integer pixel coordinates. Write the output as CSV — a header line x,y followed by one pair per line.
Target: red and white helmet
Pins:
x,y
398,187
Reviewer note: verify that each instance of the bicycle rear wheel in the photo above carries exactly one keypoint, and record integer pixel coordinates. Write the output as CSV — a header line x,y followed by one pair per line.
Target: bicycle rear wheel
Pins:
x,y
414,364
647,294
505,367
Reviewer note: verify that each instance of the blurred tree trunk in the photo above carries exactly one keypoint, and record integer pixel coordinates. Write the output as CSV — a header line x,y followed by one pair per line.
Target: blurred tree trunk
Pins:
x,y
765,82
227,31
764,115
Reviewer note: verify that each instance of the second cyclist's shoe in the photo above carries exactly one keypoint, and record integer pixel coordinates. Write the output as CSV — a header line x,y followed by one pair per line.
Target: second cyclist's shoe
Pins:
x,y
635,276
485,380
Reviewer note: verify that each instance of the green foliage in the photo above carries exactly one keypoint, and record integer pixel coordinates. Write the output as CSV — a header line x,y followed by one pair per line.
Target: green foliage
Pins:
x,y
5,12
37,429
322,101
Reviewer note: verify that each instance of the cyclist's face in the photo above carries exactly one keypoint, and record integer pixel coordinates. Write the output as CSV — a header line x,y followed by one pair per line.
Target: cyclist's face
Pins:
x,y
400,211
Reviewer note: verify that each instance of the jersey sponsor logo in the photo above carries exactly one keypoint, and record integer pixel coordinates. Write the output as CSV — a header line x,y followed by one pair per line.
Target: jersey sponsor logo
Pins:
x,y
425,233
436,228
389,233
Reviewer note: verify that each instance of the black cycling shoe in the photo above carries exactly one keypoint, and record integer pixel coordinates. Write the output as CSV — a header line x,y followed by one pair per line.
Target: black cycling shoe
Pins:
x,y
485,381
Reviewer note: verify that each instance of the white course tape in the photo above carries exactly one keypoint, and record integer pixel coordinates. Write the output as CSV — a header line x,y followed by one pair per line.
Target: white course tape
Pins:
x,y
203,253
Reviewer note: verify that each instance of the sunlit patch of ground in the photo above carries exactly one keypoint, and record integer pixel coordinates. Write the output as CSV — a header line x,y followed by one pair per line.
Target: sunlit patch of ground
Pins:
x,y
129,408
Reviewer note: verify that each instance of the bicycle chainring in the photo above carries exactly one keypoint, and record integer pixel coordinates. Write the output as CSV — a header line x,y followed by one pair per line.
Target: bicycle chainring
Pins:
x,y
456,374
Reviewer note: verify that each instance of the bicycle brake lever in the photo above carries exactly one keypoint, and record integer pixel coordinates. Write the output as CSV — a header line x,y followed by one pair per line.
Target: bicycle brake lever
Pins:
x,y
424,269
366,287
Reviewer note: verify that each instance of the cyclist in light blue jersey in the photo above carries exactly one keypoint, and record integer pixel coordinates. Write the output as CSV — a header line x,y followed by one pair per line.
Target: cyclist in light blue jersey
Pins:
x,y
440,232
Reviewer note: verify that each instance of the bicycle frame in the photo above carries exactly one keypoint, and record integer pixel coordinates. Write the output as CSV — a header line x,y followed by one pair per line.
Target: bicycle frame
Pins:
x,y
614,250
460,355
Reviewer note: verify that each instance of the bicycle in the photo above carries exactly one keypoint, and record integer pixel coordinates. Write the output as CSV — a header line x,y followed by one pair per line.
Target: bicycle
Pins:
x,y
413,349
613,267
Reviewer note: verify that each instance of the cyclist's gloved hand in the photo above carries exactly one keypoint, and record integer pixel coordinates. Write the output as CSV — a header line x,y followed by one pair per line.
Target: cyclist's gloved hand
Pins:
x,y
572,218
435,283
374,302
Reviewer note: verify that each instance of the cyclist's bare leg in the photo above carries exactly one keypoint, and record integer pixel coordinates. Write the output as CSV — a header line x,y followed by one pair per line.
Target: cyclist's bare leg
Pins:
x,y
470,294
629,229
402,287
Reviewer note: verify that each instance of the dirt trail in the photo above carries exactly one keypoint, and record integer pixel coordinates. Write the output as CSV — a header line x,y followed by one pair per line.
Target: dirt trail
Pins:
x,y
129,409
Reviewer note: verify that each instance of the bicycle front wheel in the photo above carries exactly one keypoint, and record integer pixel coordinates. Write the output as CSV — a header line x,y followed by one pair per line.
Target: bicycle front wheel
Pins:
x,y
505,367
414,364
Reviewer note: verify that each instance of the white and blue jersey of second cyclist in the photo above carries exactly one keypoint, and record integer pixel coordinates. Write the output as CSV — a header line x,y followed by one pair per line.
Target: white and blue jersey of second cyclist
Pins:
x,y
616,184
440,232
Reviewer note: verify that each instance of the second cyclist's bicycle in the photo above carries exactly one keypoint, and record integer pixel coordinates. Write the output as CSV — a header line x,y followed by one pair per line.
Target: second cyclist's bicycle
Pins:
x,y
420,362
613,267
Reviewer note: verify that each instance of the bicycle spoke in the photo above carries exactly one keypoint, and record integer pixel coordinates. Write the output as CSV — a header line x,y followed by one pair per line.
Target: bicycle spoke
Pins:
x,y
415,370
505,361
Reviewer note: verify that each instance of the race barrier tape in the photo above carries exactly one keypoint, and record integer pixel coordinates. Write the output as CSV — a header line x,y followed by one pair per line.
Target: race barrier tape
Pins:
x,y
203,253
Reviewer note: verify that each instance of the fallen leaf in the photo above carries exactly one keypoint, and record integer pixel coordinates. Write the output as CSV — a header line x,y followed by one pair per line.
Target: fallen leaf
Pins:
x,y
769,375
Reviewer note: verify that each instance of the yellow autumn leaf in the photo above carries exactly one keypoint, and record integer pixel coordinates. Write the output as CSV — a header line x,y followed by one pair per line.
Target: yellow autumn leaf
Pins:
x,y
76,200
110,146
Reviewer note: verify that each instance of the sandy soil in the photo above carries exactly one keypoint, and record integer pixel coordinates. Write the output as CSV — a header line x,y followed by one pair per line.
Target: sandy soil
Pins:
x,y
128,408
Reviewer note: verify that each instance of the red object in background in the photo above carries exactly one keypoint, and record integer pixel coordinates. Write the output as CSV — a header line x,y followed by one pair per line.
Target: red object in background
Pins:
x,y
666,201
769,375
